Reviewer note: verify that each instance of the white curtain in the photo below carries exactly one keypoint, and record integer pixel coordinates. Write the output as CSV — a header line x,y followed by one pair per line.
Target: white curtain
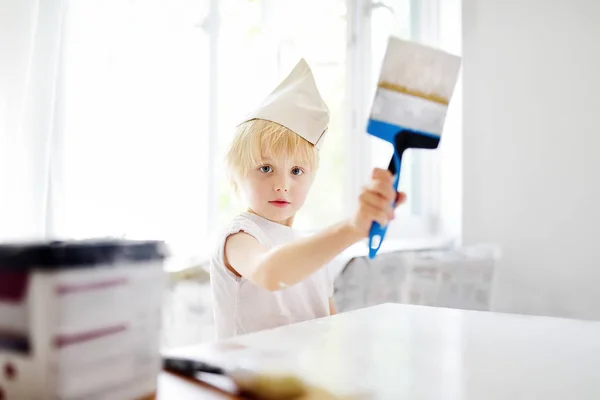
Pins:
x,y
104,120
30,46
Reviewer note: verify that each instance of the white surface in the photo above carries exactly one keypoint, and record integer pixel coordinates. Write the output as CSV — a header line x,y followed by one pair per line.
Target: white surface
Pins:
x,y
450,149
531,141
411,352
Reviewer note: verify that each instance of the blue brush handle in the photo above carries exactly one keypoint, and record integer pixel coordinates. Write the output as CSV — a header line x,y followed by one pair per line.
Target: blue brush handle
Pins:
x,y
377,232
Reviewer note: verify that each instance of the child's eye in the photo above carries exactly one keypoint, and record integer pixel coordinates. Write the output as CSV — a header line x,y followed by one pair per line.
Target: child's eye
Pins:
x,y
266,169
297,171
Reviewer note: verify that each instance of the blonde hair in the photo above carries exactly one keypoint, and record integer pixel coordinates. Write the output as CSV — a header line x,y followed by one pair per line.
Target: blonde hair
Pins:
x,y
258,137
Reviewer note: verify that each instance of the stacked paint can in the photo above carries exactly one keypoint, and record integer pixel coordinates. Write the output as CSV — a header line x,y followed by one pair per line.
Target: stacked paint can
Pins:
x,y
80,319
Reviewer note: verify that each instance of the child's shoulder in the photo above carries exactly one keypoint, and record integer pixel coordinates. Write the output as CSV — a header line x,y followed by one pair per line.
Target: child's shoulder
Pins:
x,y
239,223
243,219
244,222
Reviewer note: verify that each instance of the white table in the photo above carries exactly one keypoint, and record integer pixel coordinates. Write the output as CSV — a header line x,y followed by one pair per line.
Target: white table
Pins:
x,y
395,351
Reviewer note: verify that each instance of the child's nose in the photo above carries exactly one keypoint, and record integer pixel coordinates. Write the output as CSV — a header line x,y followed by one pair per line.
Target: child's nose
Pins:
x,y
282,185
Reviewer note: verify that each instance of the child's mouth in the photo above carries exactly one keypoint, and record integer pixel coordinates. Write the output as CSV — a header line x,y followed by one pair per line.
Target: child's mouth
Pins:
x,y
279,203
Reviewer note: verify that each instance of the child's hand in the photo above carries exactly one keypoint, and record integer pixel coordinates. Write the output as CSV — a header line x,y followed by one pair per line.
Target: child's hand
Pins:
x,y
375,202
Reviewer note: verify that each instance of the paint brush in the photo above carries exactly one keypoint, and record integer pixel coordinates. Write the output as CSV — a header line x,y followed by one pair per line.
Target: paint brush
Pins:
x,y
414,89
247,382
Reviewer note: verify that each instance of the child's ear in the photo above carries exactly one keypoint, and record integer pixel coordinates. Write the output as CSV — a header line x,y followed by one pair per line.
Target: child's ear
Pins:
x,y
236,190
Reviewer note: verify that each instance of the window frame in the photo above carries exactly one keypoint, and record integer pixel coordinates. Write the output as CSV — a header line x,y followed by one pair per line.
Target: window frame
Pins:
x,y
425,15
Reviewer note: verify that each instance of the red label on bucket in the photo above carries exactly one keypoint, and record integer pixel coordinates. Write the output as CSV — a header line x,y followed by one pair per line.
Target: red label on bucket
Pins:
x,y
13,286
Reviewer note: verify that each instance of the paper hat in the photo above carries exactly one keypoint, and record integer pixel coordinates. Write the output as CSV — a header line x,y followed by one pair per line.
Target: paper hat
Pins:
x,y
296,104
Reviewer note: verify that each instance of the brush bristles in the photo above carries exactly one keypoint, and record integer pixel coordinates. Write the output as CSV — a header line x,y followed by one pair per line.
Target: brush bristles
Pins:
x,y
268,386
419,69
403,89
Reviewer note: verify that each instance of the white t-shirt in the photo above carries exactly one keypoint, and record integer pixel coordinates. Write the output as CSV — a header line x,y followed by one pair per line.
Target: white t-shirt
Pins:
x,y
242,307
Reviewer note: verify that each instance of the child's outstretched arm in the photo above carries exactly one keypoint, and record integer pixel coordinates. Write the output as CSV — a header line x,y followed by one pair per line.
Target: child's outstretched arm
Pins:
x,y
291,263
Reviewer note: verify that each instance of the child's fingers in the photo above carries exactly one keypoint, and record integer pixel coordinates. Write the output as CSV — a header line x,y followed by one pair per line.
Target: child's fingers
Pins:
x,y
384,189
401,198
373,200
375,214
382,174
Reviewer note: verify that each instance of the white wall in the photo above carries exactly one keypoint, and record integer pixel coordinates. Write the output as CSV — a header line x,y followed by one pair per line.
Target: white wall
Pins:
x,y
531,149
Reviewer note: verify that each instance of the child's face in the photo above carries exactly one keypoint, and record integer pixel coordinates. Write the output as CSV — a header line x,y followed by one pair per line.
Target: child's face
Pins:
x,y
277,189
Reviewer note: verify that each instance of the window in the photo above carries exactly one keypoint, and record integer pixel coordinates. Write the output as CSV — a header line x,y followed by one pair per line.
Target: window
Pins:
x,y
267,37
134,146
151,92
260,42
413,20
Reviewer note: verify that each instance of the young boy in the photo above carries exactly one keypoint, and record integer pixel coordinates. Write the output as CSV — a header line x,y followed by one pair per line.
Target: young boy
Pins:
x,y
263,274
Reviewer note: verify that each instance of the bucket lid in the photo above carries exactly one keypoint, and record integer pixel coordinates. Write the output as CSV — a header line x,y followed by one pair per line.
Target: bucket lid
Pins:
x,y
58,255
